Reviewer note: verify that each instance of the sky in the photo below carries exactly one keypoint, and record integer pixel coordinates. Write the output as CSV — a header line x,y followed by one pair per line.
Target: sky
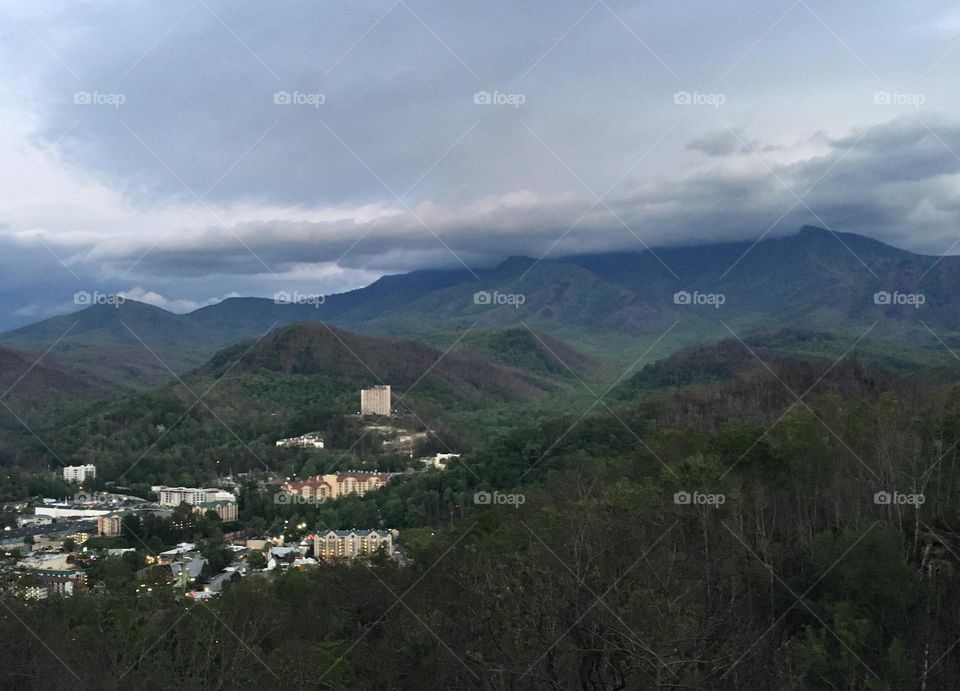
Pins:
x,y
188,151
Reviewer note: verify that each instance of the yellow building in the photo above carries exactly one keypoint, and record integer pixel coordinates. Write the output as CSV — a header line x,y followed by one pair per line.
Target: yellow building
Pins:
x,y
110,525
226,510
319,488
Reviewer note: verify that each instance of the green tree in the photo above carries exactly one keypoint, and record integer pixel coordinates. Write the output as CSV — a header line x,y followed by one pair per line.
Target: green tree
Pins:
x,y
256,560
257,525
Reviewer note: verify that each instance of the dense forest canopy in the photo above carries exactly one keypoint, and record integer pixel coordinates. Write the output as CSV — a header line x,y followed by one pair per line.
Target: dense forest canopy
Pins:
x,y
723,525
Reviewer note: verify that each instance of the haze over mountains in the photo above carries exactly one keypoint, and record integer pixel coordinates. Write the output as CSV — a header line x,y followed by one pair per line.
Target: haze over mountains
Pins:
x,y
523,331
814,279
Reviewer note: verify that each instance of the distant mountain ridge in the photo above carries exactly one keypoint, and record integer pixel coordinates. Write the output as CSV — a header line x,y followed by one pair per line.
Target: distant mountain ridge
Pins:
x,y
814,279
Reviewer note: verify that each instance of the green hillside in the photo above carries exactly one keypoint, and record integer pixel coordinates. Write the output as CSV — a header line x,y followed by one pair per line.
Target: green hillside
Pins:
x,y
303,377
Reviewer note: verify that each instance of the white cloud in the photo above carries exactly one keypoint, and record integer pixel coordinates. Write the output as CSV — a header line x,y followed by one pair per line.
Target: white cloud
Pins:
x,y
179,306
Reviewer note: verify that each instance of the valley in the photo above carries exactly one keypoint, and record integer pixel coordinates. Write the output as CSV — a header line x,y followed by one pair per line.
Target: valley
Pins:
x,y
597,426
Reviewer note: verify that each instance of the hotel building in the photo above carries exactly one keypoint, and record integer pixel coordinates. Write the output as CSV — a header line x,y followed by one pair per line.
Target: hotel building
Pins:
x,y
322,487
375,401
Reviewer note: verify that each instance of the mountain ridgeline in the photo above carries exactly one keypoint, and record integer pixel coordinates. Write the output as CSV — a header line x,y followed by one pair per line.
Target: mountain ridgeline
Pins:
x,y
814,279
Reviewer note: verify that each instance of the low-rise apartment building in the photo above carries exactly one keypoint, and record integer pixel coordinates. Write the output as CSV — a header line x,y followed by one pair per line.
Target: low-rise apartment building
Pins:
x,y
226,510
312,440
47,582
174,496
349,544
79,473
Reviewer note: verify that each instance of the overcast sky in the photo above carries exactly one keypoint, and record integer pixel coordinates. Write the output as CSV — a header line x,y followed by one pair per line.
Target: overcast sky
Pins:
x,y
186,151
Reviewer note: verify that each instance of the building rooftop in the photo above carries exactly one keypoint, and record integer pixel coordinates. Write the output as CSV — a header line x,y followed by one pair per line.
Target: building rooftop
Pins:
x,y
194,567
181,548
56,572
215,504
359,533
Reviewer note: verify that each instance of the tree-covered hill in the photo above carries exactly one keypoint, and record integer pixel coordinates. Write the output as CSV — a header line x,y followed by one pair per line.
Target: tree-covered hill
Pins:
x,y
300,378
650,550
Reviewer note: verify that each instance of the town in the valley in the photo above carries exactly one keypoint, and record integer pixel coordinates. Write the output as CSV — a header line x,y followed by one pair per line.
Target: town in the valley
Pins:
x,y
192,539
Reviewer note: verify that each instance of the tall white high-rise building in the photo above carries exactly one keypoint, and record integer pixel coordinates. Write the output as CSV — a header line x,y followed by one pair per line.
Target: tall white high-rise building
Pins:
x,y
375,401
79,473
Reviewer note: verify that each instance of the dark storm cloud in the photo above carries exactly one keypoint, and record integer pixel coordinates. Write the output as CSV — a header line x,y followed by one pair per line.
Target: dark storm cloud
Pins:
x,y
854,186
277,115
726,142
379,93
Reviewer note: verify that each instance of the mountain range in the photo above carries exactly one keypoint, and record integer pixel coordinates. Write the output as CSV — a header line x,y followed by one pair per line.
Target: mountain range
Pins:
x,y
476,351
609,306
